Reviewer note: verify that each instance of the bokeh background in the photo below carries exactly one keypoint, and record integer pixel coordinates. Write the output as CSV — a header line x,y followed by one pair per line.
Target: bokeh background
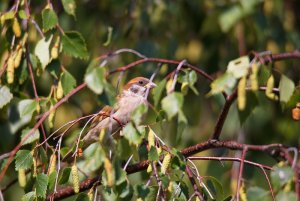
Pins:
x,y
208,34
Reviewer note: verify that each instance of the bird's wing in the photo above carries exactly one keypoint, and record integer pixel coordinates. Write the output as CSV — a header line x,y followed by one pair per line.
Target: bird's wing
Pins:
x,y
104,113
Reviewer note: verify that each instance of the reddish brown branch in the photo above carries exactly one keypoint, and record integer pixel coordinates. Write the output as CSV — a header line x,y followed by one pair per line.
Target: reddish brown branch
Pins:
x,y
69,191
158,60
45,115
210,144
193,182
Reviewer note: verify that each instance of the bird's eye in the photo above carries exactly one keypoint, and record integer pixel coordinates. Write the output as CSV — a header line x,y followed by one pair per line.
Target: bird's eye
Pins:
x,y
141,82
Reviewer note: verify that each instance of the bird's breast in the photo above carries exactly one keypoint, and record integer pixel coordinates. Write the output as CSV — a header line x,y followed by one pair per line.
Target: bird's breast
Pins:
x,y
126,106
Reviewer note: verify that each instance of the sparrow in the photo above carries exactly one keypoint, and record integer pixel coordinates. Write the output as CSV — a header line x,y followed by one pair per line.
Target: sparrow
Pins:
x,y
113,119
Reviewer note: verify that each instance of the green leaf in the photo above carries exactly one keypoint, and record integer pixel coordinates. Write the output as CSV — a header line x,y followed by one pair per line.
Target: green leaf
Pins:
x,y
141,191
109,36
286,88
95,80
27,107
54,68
94,157
9,15
286,196
251,104
215,188
42,51
23,159
256,193
281,175
239,67
41,183
224,83
172,104
138,113
34,137
152,154
49,19
52,180
82,197
157,91
23,15
230,17
74,45
69,6
29,196
68,82
5,96
64,178
132,135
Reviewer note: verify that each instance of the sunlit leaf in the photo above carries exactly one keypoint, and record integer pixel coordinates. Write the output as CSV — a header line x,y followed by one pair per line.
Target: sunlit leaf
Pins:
x,y
281,175
157,91
138,113
41,183
31,196
95,80
286,88
224,83
230,17
69,6
239,67
132,135
172,104
74,45
23,159
49,19
26,107
256,193
34,137
5,96
68,82
42,51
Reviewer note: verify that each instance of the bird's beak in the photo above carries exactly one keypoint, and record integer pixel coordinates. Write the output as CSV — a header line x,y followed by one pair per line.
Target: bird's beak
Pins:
x,y
150,85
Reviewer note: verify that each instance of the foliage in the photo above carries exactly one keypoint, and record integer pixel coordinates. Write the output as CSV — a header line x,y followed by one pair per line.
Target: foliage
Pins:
x,y
63,60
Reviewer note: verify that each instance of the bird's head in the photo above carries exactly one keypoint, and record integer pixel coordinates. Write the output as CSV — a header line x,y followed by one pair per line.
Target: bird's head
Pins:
x,y
139,86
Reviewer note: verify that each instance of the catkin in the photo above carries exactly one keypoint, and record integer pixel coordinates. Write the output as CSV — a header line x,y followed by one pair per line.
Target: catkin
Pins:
x,y
149,168
185,87
75,178
91,194
34,167
52,165
59,91
22,177
16,28
18,57
109,172
241,99
55,48
10,71
269,90
166,163
51,117
253,77
169,86
151,138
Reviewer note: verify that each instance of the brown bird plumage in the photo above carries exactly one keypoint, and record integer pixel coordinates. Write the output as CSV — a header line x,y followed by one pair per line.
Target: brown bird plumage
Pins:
x,y
112,119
